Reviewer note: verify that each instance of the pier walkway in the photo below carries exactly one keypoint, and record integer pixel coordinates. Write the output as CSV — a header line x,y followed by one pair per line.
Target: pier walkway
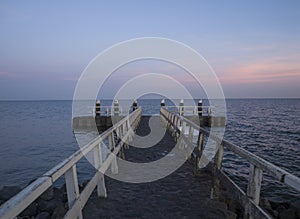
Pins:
x,y
179,195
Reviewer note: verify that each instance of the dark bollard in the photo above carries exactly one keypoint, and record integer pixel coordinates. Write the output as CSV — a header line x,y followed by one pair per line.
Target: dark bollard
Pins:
x,y
181,107
97,108
134,105
200,110
162,103
116,107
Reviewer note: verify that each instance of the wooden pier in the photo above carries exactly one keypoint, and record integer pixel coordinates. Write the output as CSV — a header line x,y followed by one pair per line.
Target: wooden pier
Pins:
x,y
186,193
189,192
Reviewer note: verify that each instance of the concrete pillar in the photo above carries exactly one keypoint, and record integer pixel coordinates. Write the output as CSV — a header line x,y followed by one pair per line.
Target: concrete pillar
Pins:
x,y
181,107
116,107
134,105
162,103
97,108
200,108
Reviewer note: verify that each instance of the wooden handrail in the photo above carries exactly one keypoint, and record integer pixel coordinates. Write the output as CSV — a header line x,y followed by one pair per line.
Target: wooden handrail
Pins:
x,y
14,206
257,164
275,171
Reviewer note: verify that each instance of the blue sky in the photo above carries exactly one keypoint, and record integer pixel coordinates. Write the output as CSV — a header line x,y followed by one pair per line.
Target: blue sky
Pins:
x,y
253,46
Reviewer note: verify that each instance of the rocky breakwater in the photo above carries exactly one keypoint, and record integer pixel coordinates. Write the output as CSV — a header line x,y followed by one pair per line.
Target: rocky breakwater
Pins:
x,y
282,210
52,204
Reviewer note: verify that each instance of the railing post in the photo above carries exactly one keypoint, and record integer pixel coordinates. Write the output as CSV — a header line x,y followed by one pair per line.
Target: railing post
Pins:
x,y
101,189
191,133
216,170
165,118
72,188
120,136
178,122
129,129
200,148
219,156
181,146
209,112
171,125
200,141
169,121
254,184
191,136
138,118
119,133
114,164
183,127
132,122
253,188
124,131
178,126
175,127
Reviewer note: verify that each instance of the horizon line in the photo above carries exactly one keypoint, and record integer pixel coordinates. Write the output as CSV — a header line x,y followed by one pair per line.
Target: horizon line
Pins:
x,y
226,98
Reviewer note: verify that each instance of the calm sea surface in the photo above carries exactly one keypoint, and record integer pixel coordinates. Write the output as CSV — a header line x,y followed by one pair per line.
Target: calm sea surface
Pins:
x,y
36,135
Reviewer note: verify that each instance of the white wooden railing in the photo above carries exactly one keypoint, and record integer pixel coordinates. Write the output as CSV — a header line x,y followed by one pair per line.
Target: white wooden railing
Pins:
x,y
191,110
108,110
124,131
179,124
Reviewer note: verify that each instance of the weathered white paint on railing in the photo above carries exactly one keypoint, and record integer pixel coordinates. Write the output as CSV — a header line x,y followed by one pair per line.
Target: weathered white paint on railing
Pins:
x,y
72,188
254,185
76,200
101,189
114,166
258,164
19,202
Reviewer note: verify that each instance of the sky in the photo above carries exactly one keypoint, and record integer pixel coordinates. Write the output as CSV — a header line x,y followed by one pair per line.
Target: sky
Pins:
x,y
253,46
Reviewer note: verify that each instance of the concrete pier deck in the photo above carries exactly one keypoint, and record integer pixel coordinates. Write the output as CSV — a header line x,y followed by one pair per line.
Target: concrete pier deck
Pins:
x,y
183,194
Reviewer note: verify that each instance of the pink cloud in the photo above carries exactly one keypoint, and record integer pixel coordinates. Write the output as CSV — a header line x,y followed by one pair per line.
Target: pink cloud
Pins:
x,y
262,71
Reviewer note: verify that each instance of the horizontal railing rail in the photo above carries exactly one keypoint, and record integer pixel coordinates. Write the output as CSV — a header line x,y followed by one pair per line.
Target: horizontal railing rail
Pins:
x,y
257,164
123,130
107,110
192,110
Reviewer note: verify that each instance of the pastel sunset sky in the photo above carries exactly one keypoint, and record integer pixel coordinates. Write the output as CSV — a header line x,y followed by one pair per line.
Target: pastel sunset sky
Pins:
x,y
253,46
